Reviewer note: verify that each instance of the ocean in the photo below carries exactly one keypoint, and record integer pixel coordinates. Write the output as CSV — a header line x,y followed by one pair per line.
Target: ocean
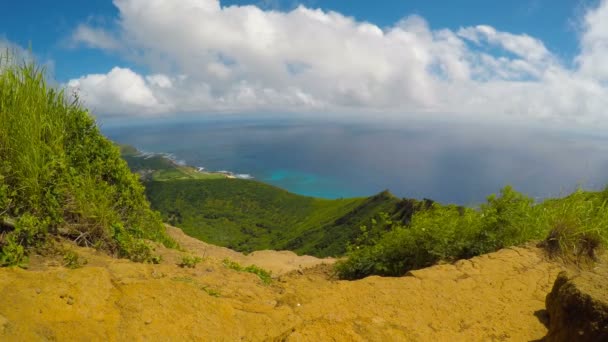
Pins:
x,y
447,162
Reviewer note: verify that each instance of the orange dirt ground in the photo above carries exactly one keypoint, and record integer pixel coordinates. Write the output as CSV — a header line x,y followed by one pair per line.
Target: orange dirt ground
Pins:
x,y
494,297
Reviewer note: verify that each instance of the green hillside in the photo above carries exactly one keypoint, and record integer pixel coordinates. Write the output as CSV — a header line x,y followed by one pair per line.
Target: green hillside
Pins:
x,y
248,215
59,176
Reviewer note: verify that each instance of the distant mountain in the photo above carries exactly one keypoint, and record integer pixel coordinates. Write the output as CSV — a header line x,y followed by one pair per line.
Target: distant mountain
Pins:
x,y
248,215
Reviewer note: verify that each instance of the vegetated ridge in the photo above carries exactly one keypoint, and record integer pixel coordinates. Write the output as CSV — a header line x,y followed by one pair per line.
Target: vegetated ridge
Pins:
x,y
248,215
381,234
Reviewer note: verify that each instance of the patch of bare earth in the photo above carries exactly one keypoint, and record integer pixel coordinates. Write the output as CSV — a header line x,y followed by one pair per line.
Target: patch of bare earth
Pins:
x,y
497,297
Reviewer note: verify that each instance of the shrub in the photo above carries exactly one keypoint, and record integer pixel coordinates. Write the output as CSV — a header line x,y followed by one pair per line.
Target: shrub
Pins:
x,y
441,233
575,228
506,220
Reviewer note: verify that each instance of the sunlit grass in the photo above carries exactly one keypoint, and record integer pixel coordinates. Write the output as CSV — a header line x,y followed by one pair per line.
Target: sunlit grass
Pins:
x,y
59,175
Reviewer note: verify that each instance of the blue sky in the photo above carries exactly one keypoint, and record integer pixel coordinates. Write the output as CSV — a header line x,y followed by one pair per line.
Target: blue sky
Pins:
x,y
49,25
534,61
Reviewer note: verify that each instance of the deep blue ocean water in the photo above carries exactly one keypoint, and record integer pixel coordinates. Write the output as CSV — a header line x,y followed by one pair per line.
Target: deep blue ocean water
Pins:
x,y
445,162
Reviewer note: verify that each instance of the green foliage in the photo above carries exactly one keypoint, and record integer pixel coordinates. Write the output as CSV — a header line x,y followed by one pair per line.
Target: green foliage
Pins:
x,y
13,254
131,245
574,228
189,261
577,225
265,276
507,220
72,260
60,175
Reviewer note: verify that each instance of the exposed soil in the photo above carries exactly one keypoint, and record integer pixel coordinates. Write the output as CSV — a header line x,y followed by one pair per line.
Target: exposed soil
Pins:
x,y
494,297
578,305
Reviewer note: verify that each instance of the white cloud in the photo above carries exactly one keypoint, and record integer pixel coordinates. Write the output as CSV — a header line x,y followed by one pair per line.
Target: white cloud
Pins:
x,y
121,91
94,37
204,57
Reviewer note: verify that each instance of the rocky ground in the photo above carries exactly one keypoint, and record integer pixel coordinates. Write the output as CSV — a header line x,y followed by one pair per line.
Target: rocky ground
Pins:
x,y
494,297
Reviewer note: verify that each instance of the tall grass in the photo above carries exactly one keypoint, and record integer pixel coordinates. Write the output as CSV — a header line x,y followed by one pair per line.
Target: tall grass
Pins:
x,y
574,228
59,175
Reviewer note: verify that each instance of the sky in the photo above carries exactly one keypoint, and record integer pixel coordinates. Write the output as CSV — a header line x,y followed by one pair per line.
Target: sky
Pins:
x,y
537,61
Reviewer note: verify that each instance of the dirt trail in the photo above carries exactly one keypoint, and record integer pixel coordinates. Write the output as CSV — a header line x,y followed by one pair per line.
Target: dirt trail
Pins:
x,y
491,297
279,262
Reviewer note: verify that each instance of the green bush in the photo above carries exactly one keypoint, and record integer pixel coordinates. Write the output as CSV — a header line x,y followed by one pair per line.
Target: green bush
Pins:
x,y
506,220
60,175
440,233
574,227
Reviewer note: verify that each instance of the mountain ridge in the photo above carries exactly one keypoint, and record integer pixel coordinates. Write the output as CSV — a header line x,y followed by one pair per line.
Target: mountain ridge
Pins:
x,y
249,215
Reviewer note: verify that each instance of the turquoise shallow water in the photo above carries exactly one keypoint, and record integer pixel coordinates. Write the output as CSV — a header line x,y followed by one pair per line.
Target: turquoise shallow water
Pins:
x,y
449,163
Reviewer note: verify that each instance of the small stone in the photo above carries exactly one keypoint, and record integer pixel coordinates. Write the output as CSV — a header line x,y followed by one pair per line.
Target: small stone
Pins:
x,y
38,291
70,301
148,321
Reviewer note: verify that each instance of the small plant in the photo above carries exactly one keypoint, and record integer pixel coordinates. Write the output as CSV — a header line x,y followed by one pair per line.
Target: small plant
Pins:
x,y
210,291
72,260
183,279
233,265
189,261
265,276
13,254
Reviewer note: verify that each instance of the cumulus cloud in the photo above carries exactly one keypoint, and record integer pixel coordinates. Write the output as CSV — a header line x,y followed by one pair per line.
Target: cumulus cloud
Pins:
x,y
121,90
205,57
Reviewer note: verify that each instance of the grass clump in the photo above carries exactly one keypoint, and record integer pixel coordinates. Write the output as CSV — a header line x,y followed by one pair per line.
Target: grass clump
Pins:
x,y
59,175
72,260
189,261
578,226
574,228
265,276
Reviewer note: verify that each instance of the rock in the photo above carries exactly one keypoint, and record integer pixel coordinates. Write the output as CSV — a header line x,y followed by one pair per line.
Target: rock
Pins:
x,y
578,307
